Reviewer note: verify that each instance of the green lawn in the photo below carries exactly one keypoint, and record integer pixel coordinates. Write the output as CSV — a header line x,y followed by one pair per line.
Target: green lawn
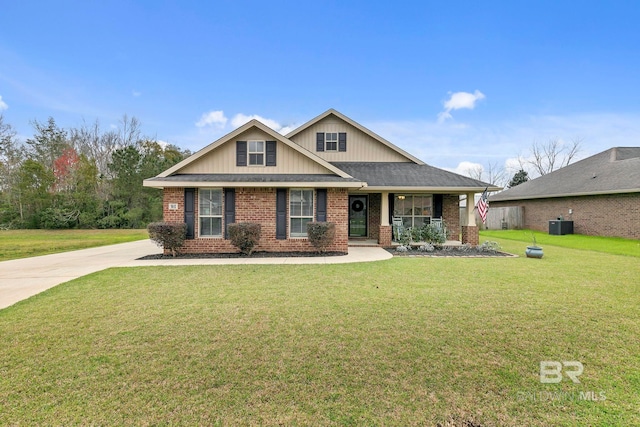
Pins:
x,y
409,341
27,243
612,245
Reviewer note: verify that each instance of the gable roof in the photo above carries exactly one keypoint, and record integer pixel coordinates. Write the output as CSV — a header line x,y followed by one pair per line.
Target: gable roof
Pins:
x,y
259,125
358,126
616,170
403,176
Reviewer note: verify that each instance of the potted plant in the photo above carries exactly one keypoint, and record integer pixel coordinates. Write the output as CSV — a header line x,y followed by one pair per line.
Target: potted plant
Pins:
x,y
533,251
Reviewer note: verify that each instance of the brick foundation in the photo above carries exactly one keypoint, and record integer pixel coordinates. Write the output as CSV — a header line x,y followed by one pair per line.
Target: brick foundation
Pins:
x,y
385,234
470,235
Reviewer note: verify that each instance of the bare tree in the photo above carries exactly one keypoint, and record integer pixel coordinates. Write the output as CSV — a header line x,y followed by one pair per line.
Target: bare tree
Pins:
x,y
475,172
496,174
554,154
129,131
493,174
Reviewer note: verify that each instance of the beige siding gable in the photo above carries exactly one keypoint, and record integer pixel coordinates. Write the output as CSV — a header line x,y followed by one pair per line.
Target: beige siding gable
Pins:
x,y
222,159
361,146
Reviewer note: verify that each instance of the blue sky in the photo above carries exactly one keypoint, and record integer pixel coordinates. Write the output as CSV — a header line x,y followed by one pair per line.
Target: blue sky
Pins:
x,y
452,82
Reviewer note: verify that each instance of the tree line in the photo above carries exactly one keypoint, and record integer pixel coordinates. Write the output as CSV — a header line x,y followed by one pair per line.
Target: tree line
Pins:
x,y
83,177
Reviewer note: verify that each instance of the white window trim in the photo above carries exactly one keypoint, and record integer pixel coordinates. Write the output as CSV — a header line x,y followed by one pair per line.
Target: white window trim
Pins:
x,y
326,141
313,212
221,216
263,152
413,216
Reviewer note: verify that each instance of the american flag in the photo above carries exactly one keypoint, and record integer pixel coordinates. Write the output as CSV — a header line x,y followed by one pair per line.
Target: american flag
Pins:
x,y
483,206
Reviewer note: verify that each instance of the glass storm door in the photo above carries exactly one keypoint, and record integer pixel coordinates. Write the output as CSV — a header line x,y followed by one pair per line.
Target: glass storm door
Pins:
x,y
357,216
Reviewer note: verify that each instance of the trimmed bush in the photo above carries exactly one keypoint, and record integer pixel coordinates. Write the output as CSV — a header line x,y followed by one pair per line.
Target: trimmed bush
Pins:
x,y
321,234
169,236
245,236
431,233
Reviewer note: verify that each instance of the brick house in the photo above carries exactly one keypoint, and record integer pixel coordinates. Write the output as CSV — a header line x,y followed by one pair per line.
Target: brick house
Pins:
x,y
329,169
600,194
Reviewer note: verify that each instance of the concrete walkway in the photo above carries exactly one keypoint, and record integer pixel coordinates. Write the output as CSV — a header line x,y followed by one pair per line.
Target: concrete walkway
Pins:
x,y
23,278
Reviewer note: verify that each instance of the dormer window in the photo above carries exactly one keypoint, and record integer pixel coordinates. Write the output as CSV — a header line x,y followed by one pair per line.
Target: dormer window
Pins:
x,y
331,141
256,153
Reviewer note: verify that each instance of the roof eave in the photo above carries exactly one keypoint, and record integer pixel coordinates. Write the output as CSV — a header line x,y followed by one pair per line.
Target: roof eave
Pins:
x,y
432,189
248,184
578,194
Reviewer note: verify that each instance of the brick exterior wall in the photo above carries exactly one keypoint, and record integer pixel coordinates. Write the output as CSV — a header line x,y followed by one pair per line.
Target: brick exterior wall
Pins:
x,y
451,215
259,205
470,235
375,203
385,233
615,215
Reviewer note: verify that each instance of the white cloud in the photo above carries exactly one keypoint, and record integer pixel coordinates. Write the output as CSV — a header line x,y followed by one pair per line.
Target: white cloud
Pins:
x,y
457,101
3,105
240,119
136,93
286,129
466,168
212,118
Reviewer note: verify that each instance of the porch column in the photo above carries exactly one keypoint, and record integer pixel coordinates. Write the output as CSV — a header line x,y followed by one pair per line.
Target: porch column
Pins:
x,y
471,204
385,229
470,233
384,207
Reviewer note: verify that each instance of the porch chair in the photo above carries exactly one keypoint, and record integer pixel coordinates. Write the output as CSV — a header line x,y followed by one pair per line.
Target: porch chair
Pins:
x,y
398,228
438,223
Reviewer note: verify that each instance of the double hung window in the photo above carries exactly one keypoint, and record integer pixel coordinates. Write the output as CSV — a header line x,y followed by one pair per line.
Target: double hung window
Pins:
x,y
210,212
300,211
256,153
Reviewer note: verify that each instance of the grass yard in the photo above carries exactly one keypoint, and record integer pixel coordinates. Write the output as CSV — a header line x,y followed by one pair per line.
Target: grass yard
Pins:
x,y
612,245
27,243
417,341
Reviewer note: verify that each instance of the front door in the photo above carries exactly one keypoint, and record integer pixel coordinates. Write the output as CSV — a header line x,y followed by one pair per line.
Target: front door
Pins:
x,y
357,216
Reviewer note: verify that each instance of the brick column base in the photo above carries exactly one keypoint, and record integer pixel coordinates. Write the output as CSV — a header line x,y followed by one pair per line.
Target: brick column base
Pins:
x,y
384,238
470,235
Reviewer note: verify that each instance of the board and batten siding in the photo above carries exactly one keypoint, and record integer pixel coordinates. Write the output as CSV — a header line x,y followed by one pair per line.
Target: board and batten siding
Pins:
x,y
360,146
223,159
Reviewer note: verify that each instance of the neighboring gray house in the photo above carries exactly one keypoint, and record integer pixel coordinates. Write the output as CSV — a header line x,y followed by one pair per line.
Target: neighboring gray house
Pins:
x,y
600,194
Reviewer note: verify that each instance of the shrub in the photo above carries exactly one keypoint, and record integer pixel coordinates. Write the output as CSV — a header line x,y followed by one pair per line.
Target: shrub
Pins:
x,y
432,233
321,234
427,247
245,236
489,246
405,237
169,236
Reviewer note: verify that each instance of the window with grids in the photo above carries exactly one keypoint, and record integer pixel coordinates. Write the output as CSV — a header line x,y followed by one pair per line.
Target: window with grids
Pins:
x,y
415,210
331,141
300,211
210,212
256,153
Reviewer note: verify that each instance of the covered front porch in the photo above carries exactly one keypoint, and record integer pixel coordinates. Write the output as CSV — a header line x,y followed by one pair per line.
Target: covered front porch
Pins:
x,y
375,218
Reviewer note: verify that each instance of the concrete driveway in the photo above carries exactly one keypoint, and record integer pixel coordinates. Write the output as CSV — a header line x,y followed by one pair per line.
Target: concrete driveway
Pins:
x,y
22,278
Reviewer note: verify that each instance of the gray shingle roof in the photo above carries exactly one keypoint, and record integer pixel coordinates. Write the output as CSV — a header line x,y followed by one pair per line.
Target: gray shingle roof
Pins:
x,y
616,170
257,177
399,174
